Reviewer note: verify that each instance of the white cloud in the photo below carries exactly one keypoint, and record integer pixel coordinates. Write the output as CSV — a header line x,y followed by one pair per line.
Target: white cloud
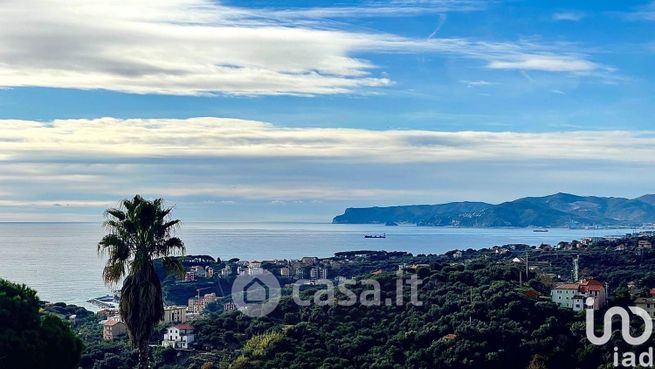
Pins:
x,y
381,8
195,47
546,63
217,137
478,83
569,16
208,164
124,140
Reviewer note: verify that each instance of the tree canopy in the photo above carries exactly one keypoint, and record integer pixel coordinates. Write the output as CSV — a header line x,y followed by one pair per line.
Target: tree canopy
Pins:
x,y
30,340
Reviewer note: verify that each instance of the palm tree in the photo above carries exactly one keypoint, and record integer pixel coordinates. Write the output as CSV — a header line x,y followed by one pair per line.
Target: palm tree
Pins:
x,y
138,232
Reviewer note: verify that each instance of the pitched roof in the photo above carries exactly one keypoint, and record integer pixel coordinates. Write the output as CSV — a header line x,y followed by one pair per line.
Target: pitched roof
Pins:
x,y
568,286
111,322
592,285
184,327
591,282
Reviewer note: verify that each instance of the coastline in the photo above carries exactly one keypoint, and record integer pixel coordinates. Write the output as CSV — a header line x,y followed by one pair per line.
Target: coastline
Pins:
x,y
65,266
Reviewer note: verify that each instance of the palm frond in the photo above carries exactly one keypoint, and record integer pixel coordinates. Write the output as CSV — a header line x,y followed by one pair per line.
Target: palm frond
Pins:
x,y
173,266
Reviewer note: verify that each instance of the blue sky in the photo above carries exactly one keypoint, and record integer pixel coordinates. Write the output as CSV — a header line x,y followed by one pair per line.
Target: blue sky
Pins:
x,y
295,110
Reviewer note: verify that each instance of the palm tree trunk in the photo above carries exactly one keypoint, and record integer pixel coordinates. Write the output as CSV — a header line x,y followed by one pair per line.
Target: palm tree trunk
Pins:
x,y
144,357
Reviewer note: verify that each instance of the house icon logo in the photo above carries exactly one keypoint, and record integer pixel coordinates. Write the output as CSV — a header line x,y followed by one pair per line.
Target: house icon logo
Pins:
x,y
256,295
256,292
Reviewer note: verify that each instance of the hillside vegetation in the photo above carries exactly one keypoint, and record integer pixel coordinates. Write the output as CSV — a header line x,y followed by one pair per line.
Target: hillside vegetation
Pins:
x,y
559,210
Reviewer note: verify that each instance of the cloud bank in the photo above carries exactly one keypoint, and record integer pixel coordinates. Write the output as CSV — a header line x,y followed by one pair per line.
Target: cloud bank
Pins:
x,y
201,47
84,165
118,139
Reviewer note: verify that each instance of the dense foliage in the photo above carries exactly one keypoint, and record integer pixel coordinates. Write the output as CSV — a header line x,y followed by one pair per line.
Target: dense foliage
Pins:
x,y
30,340
475,314
472,316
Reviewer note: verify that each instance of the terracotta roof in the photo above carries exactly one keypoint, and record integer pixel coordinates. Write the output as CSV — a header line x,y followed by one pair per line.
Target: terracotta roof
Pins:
x,y
568,286
184,327
591,282
592,285
111,322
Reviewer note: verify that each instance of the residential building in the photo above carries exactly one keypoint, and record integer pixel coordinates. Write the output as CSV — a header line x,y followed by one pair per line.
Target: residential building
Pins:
x,y
179,336
113,329
226,272
209,272
199,271
645,244
189,276
107,313
457,254
318,273
309,260
197,305
285,272
597,290
563,294
587,241
648,304
574,295
174,314
230,306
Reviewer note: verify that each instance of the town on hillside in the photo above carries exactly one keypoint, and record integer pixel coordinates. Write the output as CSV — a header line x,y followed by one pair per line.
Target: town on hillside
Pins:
x,y
205,286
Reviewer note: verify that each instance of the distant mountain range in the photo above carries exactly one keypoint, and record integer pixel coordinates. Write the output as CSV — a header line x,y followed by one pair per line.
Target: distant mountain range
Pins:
x,y
559,210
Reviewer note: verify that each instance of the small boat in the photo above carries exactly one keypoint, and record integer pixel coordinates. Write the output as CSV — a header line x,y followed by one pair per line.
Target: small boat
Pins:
x,y
540,230
383,235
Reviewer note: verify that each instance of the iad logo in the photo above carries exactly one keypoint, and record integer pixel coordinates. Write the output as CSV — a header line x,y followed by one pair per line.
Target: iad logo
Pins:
x,y
625,325
626,359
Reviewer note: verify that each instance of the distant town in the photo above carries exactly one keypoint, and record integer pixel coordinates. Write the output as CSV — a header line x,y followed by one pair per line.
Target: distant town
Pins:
x,y
202,289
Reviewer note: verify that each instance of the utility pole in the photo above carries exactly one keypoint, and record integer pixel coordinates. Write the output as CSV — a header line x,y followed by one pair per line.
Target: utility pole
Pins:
x,y
470,315
527,267
576,267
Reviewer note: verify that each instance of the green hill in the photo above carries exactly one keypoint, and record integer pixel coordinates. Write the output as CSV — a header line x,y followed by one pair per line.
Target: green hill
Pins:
x,y
559,210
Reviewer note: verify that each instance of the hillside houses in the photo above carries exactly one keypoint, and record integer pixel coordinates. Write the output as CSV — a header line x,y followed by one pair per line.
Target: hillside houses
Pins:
x,y
574,295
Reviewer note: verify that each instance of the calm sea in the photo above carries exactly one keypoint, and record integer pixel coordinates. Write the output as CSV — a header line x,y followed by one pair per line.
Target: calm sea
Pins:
x,y
59,260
